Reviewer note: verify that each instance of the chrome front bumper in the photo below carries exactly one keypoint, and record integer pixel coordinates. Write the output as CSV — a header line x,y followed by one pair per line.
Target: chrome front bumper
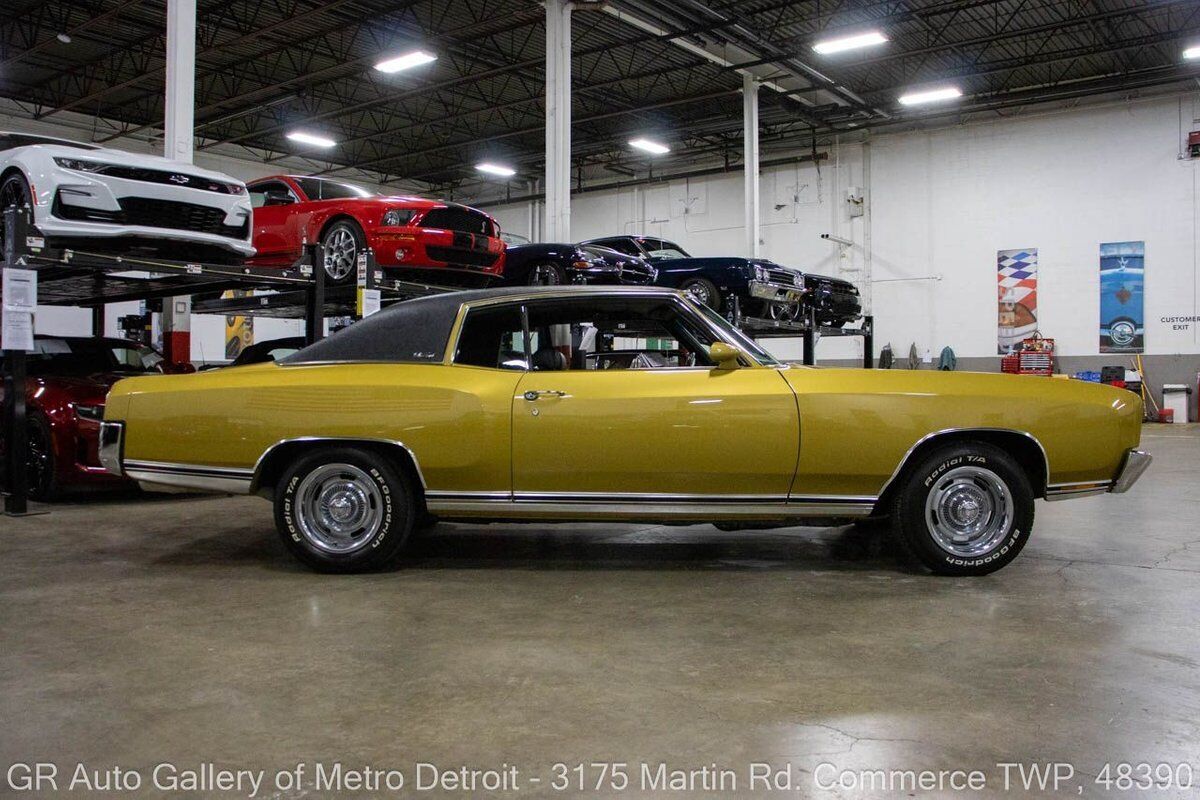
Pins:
x,y
1134,465
775,292
112,441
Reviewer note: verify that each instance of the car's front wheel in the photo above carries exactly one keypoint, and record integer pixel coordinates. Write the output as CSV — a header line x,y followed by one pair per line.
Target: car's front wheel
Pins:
x,y
965,509
14,193
702,290
344,510
340,246
546,275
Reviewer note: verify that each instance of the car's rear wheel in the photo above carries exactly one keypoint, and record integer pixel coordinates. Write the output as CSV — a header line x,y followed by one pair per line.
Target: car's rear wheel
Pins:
x,y
341,245
345,510
783,312
702,290
965,509
546,275
14,193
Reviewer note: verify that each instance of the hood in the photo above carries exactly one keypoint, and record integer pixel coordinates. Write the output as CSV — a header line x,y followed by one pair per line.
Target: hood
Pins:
x,y
110,156
990,384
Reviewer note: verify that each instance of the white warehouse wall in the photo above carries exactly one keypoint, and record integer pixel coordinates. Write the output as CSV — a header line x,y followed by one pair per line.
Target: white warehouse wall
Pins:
x,y
940,204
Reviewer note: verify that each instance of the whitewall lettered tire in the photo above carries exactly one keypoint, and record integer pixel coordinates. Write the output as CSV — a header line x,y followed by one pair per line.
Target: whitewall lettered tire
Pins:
x,y
343,509
965,509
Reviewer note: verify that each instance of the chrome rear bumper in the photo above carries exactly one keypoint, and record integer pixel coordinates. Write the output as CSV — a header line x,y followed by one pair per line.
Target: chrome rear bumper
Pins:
x,y
112,440
1134,465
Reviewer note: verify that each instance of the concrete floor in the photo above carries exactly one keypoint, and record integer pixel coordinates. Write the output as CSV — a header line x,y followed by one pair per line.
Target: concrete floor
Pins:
x,y
178,630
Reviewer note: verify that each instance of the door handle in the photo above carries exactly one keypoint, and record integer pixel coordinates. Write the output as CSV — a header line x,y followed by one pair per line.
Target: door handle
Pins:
x,y
534,394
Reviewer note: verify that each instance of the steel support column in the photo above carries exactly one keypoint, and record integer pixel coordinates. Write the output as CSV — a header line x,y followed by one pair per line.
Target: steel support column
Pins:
x,y
179,132
558,122
750,167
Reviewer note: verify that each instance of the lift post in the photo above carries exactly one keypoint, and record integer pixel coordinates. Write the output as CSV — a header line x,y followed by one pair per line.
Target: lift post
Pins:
x,y
16,477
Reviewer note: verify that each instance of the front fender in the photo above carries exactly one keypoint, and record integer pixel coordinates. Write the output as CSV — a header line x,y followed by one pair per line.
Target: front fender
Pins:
x,y
857,426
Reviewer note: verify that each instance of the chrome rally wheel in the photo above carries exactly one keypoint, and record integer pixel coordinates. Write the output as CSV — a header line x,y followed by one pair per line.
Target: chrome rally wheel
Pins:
x,y
339,508
969,511
965,508
345,509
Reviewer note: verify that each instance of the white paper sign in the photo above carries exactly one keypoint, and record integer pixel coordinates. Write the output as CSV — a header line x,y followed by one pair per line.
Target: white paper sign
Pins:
x,y
16,330
20,290
370,302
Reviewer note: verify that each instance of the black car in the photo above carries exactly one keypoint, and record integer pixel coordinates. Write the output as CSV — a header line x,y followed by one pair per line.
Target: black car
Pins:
x,y
760,287
835,301
553,265
631,269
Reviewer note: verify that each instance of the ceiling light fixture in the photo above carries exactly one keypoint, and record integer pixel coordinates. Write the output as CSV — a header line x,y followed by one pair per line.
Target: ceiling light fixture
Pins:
x,y
406,61
1192,52
649,146
868,39
930,96
496,169
311,138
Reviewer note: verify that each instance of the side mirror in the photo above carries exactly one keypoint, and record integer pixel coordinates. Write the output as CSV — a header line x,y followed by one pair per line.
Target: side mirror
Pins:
x,y
726,355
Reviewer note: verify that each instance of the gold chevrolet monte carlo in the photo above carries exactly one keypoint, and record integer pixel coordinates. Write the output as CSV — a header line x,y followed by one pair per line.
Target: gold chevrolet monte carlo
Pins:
x,y
615,403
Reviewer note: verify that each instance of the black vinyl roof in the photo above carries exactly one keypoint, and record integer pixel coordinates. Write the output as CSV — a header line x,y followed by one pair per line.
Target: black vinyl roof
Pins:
x,y
417,331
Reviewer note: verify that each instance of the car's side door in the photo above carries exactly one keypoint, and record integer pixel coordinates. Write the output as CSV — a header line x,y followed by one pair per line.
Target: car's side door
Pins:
x,y
624,403
276,228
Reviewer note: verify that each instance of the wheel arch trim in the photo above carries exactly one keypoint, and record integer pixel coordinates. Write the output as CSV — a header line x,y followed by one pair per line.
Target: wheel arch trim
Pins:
x,y
255,481
947,432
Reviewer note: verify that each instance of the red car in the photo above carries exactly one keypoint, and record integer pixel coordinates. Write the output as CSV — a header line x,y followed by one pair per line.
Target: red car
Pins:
x,y
434,241
68,380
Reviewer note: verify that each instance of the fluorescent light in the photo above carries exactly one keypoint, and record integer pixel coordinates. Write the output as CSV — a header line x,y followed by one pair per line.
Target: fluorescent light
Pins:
x,y
649,146
406,61
931,96
868,39
496,169
311,138
1192,52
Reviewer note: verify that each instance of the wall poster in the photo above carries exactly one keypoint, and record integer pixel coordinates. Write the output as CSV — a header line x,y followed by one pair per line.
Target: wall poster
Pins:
x,y
1016,276
239,330
1122,280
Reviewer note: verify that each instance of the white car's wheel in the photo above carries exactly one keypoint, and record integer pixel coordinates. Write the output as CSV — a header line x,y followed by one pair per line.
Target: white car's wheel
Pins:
x,y
14,193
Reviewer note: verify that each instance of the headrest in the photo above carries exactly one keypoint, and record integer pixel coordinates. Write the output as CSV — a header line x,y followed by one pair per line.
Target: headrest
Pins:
x,y
547,359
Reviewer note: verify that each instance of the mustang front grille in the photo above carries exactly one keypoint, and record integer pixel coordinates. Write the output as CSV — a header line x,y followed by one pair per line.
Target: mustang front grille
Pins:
x,y
156,214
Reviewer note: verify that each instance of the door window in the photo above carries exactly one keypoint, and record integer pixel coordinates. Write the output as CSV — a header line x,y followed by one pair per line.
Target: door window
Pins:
x,y
271,193
611,333
492,337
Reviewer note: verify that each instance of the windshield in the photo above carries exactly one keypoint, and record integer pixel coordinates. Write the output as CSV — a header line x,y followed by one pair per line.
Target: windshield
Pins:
x,y
737,337
660,248
79,357
319,189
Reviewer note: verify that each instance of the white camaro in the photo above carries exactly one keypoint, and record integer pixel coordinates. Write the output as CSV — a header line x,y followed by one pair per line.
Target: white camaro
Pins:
x,y
84,196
